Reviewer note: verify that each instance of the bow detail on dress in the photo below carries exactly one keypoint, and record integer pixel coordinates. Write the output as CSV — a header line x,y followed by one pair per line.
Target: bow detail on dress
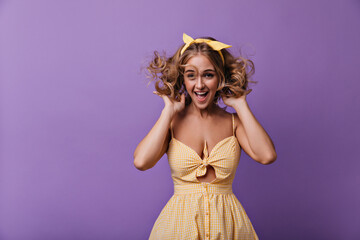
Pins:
x,y
202,168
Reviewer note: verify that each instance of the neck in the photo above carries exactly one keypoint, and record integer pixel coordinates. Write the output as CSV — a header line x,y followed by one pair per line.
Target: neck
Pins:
x,y
203,113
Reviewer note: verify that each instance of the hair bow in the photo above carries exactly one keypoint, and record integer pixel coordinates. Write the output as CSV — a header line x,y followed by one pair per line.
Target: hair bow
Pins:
x,y
216,45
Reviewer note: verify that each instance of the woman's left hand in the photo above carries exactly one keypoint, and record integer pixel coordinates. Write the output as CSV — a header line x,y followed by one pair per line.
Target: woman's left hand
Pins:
x,y
232,101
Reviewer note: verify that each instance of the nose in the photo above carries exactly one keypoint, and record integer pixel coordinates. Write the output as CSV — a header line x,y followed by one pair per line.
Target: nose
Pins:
x,y
199,83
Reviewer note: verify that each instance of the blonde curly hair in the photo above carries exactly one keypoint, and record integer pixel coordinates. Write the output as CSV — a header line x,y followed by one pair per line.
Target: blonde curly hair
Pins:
x,y
168,73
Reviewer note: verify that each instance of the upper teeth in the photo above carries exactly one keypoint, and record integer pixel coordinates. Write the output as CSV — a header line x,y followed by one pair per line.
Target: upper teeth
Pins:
x,y
201,93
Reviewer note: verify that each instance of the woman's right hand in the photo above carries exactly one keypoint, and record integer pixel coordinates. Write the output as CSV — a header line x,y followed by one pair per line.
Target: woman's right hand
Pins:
x,y
156,142
172,105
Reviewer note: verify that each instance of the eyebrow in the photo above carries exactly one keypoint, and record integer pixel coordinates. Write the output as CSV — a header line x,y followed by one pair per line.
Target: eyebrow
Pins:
x,y
207,70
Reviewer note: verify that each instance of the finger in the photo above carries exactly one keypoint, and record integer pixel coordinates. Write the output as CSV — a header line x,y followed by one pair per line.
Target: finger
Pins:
x,y
166,99
157,93
248,91
182,98
163,96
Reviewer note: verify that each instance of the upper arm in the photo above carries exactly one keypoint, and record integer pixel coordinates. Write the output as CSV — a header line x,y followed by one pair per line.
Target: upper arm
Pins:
x,y
165,145
243,139
163,150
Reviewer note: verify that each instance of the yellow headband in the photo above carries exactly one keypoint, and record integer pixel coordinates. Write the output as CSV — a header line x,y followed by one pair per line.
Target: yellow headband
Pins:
x,y
216,45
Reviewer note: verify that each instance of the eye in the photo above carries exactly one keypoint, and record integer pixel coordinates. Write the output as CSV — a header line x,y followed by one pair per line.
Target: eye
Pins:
x,y
190,76
208,75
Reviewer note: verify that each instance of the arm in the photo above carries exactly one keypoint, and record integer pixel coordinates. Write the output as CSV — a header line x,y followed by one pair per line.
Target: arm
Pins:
x,y
155,144
251,135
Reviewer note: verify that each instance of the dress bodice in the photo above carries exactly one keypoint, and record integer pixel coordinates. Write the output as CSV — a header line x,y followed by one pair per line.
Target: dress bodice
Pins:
x,y
186,164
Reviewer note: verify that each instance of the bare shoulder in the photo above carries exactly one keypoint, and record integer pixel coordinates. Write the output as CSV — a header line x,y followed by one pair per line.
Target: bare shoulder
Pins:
x,y
178,117
222,113
237,123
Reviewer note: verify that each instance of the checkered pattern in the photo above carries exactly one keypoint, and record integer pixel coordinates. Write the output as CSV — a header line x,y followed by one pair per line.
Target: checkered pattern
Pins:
x,y
201,210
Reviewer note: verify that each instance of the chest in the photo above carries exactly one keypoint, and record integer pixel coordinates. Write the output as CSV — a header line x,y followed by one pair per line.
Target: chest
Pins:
x,y
223,157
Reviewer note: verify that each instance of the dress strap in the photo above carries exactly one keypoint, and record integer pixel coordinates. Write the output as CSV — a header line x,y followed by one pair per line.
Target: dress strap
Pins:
x,y
171,130
233,123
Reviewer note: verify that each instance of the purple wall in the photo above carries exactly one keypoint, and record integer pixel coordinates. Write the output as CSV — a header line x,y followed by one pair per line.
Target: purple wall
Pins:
x,y
74,105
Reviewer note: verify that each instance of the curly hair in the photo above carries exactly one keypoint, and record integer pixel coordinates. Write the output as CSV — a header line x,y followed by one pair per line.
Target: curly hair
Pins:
x,y
168,73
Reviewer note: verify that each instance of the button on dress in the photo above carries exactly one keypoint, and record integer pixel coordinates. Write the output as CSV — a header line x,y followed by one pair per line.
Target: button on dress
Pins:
x,y
203,210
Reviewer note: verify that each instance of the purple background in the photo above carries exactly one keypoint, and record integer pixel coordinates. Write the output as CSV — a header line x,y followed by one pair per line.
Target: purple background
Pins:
x,y
75,104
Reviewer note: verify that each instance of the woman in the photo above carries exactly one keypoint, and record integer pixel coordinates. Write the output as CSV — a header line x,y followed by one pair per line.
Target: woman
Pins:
x,y
203,141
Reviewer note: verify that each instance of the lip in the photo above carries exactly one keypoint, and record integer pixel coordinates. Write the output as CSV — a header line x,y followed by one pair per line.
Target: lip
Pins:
x,y
200,98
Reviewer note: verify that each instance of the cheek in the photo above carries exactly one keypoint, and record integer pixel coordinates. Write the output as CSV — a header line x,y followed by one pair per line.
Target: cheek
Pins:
x,y
214,84
187,85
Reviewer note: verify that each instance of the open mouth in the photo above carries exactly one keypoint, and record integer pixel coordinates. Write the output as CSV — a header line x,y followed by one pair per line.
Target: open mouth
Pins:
x,y
201,96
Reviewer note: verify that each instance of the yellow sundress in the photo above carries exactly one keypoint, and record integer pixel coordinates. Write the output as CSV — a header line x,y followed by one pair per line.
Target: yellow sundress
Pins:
x,y
203,210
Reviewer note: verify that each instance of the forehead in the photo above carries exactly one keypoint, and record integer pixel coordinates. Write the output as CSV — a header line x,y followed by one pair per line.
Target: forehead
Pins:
x,y
199,62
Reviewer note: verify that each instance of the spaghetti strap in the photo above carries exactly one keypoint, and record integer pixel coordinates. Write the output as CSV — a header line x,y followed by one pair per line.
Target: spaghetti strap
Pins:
x,y
171,130
233,124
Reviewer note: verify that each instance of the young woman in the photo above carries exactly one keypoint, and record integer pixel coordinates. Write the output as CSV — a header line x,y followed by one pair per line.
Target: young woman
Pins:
x,y
203,142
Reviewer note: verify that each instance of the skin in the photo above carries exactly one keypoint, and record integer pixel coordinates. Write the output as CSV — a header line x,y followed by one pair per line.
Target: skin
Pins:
x,y
200,121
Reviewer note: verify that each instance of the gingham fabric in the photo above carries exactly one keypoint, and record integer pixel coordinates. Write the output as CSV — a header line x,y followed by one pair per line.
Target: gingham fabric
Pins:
x,y
203,210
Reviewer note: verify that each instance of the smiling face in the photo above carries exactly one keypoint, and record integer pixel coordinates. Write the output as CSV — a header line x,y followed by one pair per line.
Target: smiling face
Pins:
x,y
201,81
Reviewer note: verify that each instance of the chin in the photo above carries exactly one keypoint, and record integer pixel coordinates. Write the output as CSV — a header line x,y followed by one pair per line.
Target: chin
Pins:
x,y
201,106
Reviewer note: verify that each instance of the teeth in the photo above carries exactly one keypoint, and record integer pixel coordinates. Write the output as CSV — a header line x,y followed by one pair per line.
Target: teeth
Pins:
x,y
200,93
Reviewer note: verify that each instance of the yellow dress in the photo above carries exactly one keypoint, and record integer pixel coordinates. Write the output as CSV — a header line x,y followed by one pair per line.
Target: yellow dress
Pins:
x,y
202,210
